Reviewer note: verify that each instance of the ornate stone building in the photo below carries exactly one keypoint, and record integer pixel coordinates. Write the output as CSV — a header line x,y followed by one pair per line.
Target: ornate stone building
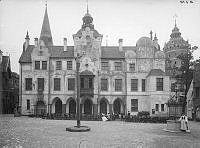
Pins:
x,y
113,79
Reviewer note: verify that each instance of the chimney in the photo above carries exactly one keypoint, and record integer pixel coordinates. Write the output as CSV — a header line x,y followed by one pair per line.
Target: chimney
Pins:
x,y
36,42
120,44
65,44
1,56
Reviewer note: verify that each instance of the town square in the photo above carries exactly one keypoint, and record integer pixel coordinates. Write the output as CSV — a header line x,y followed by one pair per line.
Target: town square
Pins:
x,y
99,74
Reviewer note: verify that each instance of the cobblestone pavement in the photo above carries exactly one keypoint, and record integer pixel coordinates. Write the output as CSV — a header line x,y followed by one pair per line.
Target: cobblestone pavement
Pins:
x,y
25,132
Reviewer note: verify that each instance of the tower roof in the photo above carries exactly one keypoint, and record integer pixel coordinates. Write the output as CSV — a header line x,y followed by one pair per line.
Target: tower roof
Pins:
x,y
87,20
176,41
45,34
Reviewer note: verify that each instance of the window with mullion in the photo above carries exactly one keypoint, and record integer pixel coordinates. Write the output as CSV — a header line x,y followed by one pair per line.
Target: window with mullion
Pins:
x,y
134,84
104,84
40,83
118,66
37,65
56,84
44,65
132,67
90,83
69,65
71,83
118,84
28,82
58,65
134,105
104,65
159,84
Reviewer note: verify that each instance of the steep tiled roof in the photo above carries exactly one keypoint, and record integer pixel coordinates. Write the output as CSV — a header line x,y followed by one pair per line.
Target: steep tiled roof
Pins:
x,y
111,52
108,52
26,56
58,51
55,52
156,72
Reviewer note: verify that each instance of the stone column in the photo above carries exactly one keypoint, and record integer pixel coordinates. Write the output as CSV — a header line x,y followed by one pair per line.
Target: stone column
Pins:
x,y
95,109
110,108
63,108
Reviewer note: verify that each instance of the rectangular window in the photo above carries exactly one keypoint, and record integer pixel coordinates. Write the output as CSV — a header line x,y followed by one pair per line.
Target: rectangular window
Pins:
x,y
28,104
28,83
56,84
82,82
90,83
40,84
104,84
134,84
118,84
143,84
58,65
44,65
118,66
197,91
104,65
159,84
37,65
71,83
157,107
134,105
162,107
132,67
69,65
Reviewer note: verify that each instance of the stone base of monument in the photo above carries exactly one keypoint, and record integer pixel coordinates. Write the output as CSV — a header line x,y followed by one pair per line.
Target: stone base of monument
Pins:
x,y
173,126
78,129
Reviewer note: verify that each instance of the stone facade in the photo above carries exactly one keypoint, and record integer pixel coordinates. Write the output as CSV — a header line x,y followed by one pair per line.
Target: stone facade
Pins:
x,y
113,79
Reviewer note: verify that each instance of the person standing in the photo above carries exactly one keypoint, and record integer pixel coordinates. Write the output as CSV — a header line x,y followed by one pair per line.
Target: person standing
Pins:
x,y
184,123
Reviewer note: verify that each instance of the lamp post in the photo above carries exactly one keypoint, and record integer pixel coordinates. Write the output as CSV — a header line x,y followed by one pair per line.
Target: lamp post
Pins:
x,y
78,128
78,89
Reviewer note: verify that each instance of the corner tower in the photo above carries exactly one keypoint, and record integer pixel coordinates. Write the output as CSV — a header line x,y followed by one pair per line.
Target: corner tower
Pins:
x,y
173,48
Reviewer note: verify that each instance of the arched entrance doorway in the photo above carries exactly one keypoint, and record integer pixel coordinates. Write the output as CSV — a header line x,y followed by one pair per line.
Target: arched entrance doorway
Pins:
x,y
88,107
40,108
72,106
58,106
117,106
103,106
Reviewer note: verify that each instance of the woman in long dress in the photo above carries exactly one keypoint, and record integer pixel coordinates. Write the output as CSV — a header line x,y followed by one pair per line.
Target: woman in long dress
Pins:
x,y
184,123
104,117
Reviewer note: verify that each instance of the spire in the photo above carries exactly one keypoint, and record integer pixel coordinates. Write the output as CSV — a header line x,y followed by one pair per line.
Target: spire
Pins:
x,y
27,36
87,8
175,16
175,32
87,20
45,34
155,38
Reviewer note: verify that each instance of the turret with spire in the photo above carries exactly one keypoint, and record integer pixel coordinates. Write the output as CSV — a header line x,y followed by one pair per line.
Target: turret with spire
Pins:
x,y
87,20
45,34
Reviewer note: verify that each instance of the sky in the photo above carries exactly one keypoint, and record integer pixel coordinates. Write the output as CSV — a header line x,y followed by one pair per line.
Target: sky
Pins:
x,y
114,19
